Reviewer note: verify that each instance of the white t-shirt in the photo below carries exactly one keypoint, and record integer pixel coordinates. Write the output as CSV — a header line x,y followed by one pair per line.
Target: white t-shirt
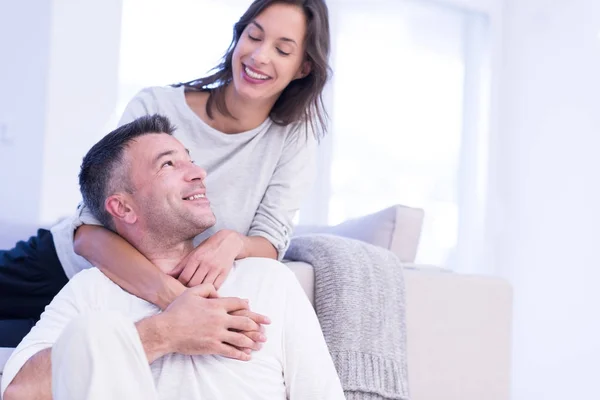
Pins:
x,y
256,179
294,363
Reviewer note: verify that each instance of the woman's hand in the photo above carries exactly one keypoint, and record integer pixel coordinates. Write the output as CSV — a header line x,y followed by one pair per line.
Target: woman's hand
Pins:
x,y
211,261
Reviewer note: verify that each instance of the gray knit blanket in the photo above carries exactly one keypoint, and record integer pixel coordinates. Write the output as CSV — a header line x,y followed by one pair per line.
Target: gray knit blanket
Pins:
x,y
359,300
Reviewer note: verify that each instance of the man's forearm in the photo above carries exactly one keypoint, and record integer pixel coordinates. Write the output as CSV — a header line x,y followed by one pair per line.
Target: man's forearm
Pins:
x,y
154,336
34,380
108,251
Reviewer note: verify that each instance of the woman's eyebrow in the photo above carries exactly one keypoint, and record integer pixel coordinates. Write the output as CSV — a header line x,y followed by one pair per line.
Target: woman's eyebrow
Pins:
x,y
285,39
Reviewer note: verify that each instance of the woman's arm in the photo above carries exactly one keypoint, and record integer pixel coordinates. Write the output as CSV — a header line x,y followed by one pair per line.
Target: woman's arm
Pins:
x,y
126,266
257,246
292,179
212,260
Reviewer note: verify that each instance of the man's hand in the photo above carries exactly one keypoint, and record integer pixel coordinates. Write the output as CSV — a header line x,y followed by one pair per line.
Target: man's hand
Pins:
x,y
211,261
198,322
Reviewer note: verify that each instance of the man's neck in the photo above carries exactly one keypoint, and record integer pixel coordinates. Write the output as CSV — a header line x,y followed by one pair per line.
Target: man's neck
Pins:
x,y
163,253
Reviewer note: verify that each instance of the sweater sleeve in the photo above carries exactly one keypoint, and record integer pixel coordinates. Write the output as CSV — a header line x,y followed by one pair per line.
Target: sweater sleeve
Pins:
x,y
144,103
309,372
63,235
292,179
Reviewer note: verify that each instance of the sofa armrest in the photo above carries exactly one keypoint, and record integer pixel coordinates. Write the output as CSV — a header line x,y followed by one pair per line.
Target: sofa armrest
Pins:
x,y
458,334
306,276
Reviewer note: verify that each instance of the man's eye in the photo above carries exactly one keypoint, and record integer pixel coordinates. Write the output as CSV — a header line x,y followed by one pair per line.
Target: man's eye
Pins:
x,y
167,164
193,162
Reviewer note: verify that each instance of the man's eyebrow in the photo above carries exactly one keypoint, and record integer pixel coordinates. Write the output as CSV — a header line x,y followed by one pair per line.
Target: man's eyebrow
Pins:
x,y
285,39
167,153
161,155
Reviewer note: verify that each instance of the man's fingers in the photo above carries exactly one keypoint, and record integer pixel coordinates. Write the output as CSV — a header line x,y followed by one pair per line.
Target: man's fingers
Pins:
x,y
258,318
234,304
227,350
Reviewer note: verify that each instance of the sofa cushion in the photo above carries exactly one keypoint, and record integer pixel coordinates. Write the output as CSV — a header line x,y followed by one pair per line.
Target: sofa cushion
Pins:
x,y
397,228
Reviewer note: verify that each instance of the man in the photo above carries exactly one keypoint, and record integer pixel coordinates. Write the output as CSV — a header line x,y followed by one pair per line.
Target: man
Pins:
x,y
96,341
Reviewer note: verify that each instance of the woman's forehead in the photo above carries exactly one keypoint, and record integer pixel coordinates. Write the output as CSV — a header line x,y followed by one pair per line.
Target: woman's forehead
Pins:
x,y
283,20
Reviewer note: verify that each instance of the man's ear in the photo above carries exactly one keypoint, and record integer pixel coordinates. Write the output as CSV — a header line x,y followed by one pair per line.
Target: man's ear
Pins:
x,y
304,70
119,206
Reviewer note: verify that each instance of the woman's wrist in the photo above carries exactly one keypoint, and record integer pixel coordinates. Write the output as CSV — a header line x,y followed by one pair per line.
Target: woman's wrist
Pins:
x,y
240,244
257,246
170,289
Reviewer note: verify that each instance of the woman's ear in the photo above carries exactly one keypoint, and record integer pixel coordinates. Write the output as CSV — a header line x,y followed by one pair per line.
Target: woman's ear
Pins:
x,y
304,70
120,208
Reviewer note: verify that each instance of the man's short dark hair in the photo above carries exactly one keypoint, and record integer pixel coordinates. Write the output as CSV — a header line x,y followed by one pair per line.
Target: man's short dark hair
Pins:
x,y
103,171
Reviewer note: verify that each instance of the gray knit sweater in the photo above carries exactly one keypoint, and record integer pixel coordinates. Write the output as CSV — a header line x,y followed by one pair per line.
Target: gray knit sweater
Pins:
x,y
359,299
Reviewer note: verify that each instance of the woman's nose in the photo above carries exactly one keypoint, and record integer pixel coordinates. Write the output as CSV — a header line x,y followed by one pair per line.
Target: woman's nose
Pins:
x,y
260,56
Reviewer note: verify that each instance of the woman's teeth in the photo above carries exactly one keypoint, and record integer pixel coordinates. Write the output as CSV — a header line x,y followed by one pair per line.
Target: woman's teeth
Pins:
x,y
195,197
255,75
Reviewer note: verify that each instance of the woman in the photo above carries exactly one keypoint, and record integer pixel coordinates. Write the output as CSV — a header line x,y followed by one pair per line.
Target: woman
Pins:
x,y
251,125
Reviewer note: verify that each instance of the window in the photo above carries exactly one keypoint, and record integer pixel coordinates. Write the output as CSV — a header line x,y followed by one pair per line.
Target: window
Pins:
x,y
397,114
176,41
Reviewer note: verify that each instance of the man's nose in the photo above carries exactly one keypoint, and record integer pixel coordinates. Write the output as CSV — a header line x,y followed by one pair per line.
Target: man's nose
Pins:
x,y
196,172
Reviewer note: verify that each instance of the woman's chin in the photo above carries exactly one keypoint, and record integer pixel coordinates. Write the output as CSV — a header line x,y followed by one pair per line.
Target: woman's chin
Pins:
x,y
253,94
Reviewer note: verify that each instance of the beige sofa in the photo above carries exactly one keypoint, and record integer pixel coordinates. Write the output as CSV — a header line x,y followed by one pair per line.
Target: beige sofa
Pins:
x,y
458,327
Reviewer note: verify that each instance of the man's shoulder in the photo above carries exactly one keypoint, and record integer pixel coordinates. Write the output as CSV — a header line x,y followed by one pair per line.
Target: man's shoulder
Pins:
x,y
260,263
92,281
264,268
91,286
91,275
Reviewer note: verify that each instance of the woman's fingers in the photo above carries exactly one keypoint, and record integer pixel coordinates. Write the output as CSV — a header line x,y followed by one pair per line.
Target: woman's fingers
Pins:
x,y
198,275
211,277
219,281
258,318
241,341
229,351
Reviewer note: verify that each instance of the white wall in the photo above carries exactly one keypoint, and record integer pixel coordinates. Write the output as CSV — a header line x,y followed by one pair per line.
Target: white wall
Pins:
x,y
58,91
547,165
82,94
24,59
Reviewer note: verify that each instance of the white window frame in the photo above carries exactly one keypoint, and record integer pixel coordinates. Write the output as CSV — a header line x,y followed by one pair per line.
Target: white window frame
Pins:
x,y
477,176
